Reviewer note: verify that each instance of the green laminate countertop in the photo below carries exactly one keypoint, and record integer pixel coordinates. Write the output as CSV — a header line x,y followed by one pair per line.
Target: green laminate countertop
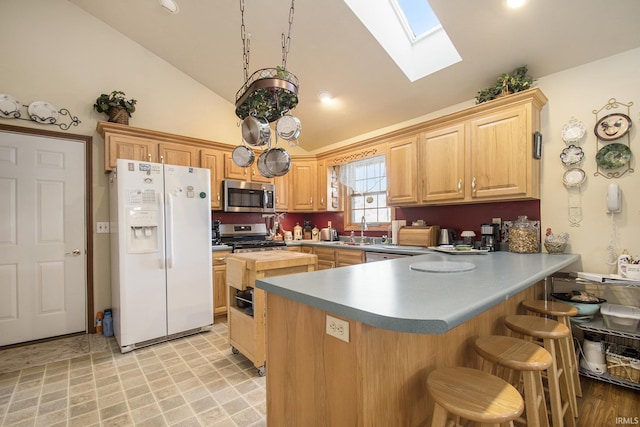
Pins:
x,y
391,295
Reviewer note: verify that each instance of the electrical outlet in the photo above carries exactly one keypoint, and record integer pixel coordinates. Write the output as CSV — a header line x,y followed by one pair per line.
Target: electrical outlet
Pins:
x,y
102,227
338,328
497,221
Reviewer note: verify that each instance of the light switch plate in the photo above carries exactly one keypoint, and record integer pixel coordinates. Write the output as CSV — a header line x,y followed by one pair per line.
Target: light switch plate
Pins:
x,y
102,227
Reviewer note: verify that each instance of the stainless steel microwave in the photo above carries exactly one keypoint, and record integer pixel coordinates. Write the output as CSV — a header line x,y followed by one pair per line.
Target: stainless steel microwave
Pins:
x,y
241,196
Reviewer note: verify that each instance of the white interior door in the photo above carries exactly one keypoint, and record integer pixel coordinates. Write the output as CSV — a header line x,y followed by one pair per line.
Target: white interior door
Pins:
x,y
42,237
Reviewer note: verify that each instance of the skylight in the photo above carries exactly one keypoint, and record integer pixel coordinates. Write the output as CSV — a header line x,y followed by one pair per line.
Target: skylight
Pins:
x,y
409,32
418,15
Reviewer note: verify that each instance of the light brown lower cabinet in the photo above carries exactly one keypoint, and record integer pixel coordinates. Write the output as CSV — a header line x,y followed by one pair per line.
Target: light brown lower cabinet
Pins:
x,y
219,269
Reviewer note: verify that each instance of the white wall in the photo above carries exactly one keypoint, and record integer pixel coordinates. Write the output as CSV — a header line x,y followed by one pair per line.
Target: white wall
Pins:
x,y
577,93
55,52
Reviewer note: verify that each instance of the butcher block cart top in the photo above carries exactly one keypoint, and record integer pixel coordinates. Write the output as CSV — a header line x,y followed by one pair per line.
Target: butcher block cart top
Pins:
x,y
246,317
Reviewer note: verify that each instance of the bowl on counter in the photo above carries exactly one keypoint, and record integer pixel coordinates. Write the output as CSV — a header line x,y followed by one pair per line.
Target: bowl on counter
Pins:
x,y
586,309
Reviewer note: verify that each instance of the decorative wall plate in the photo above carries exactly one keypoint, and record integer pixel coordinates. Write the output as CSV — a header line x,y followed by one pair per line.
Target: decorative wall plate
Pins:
x,y
43,112
613,156
574,177
612,126
571,155
573,131
8,106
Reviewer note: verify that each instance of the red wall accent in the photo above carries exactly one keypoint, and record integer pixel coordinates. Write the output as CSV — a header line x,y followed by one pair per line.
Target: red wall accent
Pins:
x,y
459,217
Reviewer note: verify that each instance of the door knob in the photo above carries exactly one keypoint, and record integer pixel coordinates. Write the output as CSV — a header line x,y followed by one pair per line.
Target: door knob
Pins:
x,y
75,252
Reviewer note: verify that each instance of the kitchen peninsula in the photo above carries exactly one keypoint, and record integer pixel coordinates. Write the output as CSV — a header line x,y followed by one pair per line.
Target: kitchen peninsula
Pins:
x,y
402,324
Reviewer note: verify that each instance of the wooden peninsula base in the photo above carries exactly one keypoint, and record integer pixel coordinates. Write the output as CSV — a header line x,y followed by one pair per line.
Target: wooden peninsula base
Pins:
x,y
377,379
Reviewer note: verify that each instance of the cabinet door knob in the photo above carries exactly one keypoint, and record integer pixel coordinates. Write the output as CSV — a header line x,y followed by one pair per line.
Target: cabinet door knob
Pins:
x,y
459,185
473,184
149,156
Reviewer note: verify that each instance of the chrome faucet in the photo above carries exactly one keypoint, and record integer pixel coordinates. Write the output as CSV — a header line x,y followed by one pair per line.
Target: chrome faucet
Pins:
x,y
363,228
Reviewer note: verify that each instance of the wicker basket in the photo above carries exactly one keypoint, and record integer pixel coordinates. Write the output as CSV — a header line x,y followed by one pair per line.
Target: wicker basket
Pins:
x,y
623,362
118,115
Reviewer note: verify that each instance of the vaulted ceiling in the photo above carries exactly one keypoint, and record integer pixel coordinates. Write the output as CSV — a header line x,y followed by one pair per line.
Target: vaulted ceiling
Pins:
x,y
332,50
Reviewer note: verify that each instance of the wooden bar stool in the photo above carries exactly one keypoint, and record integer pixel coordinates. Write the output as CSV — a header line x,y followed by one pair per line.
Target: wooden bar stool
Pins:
x,y
550,332
529,360
562,312
473,395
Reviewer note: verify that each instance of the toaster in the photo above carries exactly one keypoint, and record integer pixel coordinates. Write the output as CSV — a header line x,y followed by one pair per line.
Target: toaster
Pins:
x,y
328,234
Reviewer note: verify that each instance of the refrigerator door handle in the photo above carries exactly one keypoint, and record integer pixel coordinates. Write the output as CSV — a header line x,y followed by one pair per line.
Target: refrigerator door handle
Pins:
x,y
161,235
169,231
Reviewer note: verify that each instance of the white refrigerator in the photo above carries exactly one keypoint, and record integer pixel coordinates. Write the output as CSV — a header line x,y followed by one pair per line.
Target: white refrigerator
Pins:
x,y
160,226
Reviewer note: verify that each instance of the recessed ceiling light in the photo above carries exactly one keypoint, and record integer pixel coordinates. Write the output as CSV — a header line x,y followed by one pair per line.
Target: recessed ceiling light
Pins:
x,y
325,97
170,5
514,4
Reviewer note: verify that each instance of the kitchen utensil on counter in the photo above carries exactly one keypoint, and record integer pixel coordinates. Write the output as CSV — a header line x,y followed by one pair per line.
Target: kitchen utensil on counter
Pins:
x,y
328,234
467,237
490,237
448,236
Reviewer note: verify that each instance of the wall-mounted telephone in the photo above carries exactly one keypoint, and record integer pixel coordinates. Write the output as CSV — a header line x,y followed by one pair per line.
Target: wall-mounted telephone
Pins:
x,y
614,198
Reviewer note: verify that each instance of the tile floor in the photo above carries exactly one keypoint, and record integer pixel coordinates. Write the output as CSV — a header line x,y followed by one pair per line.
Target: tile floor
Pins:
x,y
192,381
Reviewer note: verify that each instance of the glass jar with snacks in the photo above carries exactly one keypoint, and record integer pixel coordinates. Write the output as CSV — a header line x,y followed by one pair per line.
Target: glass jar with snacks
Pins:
x,y
523,237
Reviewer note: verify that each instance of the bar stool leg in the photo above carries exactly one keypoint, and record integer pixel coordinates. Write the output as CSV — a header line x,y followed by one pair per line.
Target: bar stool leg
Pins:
x,y
558,390
573,359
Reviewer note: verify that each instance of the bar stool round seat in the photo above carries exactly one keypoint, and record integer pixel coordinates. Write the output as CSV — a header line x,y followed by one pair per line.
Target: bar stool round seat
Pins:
x,y
552,308
527,359
551,333
563,312
473,395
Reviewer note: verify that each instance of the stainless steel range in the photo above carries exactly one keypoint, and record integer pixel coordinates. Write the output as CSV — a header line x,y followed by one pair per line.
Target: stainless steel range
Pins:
x,y
248,238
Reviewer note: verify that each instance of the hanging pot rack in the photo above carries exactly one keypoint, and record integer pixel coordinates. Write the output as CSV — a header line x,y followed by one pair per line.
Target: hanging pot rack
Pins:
x,y
268,92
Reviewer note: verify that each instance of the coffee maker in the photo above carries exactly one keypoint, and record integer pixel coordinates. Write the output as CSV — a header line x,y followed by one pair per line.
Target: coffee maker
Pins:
x,y
490,237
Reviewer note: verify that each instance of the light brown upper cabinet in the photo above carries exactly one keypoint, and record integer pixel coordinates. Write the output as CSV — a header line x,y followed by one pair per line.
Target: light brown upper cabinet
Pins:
x,y
250,173
441,175
282,192
128,147
179,154
501,163
303,196
213,160
481,154
402,170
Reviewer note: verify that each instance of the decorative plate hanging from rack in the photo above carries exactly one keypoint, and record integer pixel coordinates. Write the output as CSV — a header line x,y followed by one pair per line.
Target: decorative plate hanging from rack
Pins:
x,y
573,131
613,159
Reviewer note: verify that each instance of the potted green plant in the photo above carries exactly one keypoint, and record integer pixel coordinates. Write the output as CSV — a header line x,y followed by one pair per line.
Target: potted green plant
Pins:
x,y
507,83
116,106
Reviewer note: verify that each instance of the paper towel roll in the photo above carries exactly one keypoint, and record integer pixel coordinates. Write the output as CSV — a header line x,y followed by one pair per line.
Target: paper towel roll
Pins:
x,y
395,226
